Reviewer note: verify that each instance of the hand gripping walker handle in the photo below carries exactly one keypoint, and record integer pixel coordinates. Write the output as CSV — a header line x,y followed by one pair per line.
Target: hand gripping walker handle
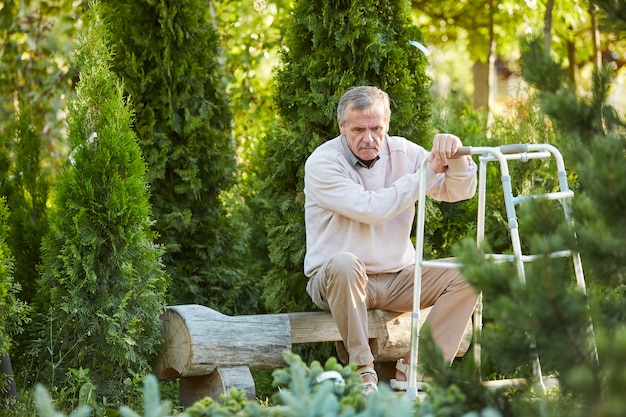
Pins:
x,y
463,150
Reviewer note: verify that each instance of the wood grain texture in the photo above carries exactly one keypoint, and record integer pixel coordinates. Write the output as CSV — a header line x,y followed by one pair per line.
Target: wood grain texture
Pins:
x,y
197,340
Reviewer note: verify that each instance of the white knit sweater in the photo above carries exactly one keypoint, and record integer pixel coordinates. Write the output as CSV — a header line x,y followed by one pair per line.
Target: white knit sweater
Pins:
x,y
370,212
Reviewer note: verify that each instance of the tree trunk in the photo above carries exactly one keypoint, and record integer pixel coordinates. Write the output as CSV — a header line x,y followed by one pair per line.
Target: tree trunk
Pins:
x,y
7,369
547,27
480,72
483,73
595,36
573,65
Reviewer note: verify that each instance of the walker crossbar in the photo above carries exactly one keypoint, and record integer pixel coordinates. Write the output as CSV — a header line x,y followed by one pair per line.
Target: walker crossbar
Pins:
x,y
500,258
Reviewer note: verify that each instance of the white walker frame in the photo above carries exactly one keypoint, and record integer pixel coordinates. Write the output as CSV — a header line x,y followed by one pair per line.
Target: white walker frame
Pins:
x,y
501,154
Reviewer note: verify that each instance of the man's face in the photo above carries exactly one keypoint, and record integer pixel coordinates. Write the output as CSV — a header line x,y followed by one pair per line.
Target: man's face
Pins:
x,y
364,131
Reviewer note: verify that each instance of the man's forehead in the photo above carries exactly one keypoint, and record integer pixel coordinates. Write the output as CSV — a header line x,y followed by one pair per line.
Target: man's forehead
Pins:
x,y
371,112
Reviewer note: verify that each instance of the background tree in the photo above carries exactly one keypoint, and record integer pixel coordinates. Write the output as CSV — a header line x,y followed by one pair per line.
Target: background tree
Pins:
x,y
251,43
100,267
13,311
168,54
467,29
550,307
27,191
36,77
330,47
481,29
595,142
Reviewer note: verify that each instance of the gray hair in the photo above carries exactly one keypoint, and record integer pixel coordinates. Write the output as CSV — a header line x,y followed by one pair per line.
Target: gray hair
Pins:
x,y
362,98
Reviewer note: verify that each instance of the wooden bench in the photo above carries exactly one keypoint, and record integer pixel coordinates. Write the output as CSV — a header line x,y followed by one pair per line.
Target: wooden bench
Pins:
x,y
211,352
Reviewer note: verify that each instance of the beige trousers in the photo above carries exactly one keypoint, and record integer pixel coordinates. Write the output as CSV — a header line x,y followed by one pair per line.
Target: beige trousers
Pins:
x,y
343,286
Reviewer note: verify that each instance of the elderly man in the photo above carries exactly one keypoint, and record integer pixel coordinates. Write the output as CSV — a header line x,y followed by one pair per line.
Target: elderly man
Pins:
x,y
361,188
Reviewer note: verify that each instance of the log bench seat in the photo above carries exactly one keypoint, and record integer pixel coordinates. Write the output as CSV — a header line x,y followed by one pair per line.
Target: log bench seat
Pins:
x,y
210,352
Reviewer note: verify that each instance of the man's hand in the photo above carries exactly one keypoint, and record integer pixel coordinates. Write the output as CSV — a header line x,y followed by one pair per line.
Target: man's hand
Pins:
x,y
444,146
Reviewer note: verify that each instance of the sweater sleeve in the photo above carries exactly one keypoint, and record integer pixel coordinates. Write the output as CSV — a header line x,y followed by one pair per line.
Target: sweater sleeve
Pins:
x,y
334,186
457,183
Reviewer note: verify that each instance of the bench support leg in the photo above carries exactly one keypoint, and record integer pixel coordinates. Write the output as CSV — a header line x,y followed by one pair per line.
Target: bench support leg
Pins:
x,y
220,381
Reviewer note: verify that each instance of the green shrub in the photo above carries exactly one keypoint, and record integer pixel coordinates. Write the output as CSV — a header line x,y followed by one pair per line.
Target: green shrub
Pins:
x,y
13,311
329,47
168,54
577,332
100,267
46,408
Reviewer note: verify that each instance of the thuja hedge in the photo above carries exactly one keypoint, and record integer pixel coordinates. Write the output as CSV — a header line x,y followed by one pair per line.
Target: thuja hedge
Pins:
x,y
13,311
101,276
168,55
330,47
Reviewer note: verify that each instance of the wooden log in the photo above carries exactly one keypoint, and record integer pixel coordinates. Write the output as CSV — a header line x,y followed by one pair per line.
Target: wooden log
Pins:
x,y
197,339
211,352
389,331
220,381
319,326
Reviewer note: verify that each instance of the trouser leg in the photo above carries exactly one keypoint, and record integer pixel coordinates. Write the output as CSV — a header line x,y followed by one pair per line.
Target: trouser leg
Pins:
x,y
452,299
455,301
341,287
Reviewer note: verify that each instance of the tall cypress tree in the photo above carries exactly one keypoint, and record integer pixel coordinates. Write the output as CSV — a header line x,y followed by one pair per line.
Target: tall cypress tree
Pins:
x,y
100,266
168,54
329,47
27,193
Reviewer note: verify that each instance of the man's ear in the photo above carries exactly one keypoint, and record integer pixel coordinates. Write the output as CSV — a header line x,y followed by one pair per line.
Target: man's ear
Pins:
x,y
340,126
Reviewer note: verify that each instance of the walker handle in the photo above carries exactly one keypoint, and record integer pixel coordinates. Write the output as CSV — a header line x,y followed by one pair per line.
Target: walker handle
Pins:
x,y
463,150
514,148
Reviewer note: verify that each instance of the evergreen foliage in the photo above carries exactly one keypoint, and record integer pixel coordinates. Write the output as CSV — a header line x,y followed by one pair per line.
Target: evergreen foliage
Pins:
x,y
100,268
27,193
329,47
153,407
568,324
46,408
167,52
13,311
302,395
594,141
612,15
35,81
